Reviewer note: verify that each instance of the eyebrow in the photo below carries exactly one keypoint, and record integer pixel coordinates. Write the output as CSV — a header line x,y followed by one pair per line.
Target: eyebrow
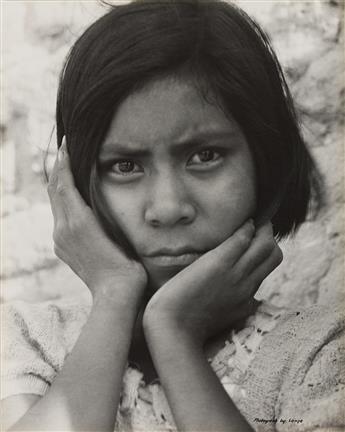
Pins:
x,y
193,141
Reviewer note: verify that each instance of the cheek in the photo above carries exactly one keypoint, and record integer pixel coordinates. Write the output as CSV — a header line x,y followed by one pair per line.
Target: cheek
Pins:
x,y
124,209
230,202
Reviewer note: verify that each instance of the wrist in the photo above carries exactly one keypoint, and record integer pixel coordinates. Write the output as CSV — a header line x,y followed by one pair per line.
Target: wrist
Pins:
x,y
124,298
171,349
161,331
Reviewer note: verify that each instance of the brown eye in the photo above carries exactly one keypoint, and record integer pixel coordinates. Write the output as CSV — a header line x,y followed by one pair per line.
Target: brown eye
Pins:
x,y
204,157
125,167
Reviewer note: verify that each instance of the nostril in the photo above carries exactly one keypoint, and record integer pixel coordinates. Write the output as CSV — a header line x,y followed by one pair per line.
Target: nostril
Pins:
x,y
169,214
185,219
154,222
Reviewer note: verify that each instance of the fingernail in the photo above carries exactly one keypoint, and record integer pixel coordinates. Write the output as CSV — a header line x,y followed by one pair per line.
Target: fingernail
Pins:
x,y
61,154
62,149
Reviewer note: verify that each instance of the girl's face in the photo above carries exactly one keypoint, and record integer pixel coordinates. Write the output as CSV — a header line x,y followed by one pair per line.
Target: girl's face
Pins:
x,y
177,175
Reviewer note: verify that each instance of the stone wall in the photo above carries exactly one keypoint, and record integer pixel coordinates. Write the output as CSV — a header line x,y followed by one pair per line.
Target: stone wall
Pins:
x,y
308,38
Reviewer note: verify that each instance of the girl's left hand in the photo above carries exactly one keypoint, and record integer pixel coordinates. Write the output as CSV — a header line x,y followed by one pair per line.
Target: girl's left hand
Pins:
x,y
216,290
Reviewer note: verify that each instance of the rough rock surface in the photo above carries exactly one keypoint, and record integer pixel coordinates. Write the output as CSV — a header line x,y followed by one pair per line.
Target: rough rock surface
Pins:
x,y
308,38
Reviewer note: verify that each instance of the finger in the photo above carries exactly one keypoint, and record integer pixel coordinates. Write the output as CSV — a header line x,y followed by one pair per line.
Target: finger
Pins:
x,y
55,202
268,213
233,248
259,250
265,268
68,194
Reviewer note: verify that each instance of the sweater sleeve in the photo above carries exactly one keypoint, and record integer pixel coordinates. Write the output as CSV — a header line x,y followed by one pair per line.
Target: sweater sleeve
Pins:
x,y
317,399
36,338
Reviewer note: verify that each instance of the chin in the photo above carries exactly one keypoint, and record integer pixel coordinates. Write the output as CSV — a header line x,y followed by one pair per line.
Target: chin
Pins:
x,y
157,281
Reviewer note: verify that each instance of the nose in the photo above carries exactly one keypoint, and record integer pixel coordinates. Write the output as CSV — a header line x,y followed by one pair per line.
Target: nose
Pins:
x,y
168,203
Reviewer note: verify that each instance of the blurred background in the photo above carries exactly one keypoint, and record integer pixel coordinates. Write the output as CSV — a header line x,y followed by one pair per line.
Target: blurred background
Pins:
x,y
309,39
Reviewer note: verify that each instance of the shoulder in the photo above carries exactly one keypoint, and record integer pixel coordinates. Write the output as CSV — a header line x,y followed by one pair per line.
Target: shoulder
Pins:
x,y
40,325
298,369
297,323
313,389
299,335
35,341
306,328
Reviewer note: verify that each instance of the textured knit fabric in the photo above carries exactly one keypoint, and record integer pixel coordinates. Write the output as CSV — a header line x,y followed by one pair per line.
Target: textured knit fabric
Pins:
x,y
298,373
285,371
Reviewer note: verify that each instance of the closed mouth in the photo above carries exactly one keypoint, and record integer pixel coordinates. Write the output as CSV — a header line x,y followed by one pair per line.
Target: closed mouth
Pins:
x,y
173,260
174,252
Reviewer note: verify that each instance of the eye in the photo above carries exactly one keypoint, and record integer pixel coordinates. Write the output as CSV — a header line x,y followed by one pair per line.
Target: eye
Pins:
x,y
125,167
204,157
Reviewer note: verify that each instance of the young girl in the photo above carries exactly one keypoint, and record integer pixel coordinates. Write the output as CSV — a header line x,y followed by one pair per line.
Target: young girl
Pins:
x,y
180,163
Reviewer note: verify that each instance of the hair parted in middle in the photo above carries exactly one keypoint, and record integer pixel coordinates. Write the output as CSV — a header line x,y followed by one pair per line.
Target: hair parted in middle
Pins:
x,y
230,60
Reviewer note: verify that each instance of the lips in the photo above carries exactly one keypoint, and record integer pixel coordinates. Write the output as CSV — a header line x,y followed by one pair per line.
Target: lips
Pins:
x,y
173,257
173,260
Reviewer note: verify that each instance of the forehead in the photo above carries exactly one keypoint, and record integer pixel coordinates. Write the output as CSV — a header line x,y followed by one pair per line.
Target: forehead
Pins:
x,y
164,111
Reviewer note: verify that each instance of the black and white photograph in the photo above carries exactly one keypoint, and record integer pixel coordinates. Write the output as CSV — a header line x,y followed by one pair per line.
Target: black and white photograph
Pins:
x,y
172,216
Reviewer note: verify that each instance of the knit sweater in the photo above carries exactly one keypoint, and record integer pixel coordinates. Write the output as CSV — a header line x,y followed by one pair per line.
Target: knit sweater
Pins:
x,y
284,370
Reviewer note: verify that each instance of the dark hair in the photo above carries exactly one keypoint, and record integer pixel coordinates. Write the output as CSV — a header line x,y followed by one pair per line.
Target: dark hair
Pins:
x,y
226,53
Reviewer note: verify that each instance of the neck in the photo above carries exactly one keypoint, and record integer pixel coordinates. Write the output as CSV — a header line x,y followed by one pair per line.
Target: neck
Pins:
x,y
139,353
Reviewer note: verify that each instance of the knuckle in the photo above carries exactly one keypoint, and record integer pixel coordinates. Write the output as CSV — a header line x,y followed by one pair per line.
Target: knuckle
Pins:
x,y
62,189
53,178
266,231
275,259
60,233
239,275
278,254
215,260
268,228
60,167
84,217
76,227
50,188
267,247
57,251
244,239
57,236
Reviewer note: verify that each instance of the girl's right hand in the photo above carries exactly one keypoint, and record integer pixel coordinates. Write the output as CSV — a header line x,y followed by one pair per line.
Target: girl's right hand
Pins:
x,y
81,243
